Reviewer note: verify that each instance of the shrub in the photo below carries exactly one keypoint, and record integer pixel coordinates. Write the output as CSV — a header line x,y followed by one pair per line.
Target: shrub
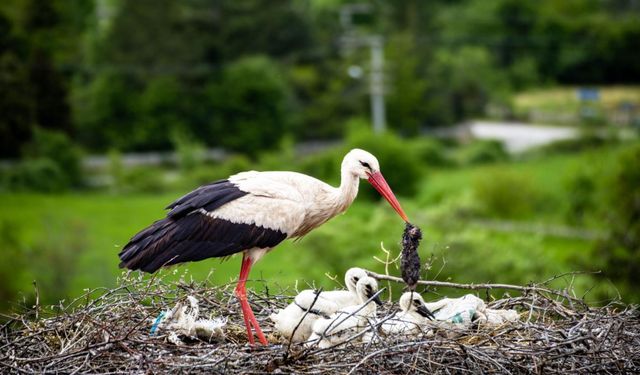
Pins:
x,y
59,149
585,141
191,154
40,175
483,152
143,180
506,194
620,251
431,152
580,196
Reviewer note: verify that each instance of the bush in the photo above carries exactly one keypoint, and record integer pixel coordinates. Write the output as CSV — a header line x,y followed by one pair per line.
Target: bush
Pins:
x,y
431,152
580,195
143,180
483,152
506,194
40,175
585,141
191,154
59,149
620,251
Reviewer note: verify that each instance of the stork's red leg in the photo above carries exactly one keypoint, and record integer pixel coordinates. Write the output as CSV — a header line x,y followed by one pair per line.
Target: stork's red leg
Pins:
x,y
247,313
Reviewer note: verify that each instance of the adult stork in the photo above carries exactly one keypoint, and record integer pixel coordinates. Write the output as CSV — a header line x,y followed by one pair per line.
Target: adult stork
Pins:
x,y
250,212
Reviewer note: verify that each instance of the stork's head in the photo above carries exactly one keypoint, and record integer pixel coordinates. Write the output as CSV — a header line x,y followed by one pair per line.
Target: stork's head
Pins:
x,y
412,301
366,288
364,165
352,277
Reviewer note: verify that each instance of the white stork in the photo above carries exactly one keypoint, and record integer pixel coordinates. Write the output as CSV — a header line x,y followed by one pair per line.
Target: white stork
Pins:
x,y
250,212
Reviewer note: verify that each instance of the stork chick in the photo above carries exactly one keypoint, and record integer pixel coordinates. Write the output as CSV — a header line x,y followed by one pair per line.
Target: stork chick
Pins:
x,y
350,320
308,307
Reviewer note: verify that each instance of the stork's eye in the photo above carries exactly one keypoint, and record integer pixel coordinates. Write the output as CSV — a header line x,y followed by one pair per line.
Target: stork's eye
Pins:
x,y
355,279
365,164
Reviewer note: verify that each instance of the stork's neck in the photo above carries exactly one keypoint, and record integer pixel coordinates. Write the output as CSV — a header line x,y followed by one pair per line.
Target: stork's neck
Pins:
x,y
348,189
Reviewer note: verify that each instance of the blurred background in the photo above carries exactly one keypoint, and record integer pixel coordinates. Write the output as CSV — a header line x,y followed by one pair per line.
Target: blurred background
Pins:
x,y
508,128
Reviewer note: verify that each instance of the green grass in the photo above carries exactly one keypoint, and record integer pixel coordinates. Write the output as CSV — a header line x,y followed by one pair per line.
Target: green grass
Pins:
x,y
445,209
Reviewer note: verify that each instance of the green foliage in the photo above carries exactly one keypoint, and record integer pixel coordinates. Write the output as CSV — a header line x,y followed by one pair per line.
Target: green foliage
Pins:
x,y
52,163
580,193
134,72
104,112
116,170
620,252
57,147
39,174
465,80
251,105
16,108
159,114
190,153
506,194
406,103
483,151
143,180
586,141
431,152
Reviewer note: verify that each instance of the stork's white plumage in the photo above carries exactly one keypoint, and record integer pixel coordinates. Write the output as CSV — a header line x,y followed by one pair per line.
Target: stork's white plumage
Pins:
x,y
295,321
250,212
350,320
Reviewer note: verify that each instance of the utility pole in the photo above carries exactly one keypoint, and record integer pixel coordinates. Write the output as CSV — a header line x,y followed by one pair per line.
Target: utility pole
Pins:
x,y
376,77
352,39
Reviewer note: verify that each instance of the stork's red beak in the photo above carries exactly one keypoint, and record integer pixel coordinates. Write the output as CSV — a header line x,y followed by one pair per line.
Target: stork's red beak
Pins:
x,y
378,182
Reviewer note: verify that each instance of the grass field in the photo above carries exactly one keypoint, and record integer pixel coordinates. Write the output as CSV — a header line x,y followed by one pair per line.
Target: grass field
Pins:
x,y
72,240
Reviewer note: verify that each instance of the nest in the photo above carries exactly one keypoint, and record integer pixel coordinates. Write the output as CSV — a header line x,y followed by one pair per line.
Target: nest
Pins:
x,y
108,331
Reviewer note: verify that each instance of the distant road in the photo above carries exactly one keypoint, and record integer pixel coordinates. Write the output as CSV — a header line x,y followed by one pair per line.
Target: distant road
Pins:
x,y
518,137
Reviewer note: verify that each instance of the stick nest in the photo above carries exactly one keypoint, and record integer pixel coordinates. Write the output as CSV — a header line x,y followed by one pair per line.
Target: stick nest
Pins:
x,y
107,331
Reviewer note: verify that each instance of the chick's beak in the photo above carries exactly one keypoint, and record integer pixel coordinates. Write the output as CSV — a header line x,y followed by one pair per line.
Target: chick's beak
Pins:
x,y
424,311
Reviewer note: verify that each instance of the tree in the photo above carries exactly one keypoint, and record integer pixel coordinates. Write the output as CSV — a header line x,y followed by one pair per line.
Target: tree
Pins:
x,y
16,104
251,105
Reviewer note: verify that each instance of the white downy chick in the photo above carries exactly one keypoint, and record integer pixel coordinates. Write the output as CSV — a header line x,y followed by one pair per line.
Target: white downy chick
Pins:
x,y
412,317
350,320
308,307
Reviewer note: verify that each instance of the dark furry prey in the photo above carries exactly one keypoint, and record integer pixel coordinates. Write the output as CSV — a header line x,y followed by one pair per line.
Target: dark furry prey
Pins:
x,y
410,264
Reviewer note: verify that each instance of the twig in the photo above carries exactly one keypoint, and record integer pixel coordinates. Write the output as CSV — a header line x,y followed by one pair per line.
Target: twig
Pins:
x,y
447,284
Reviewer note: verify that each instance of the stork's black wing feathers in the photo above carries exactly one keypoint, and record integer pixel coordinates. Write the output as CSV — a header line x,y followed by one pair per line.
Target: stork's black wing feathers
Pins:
x,y
208,197
191,238
186,236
